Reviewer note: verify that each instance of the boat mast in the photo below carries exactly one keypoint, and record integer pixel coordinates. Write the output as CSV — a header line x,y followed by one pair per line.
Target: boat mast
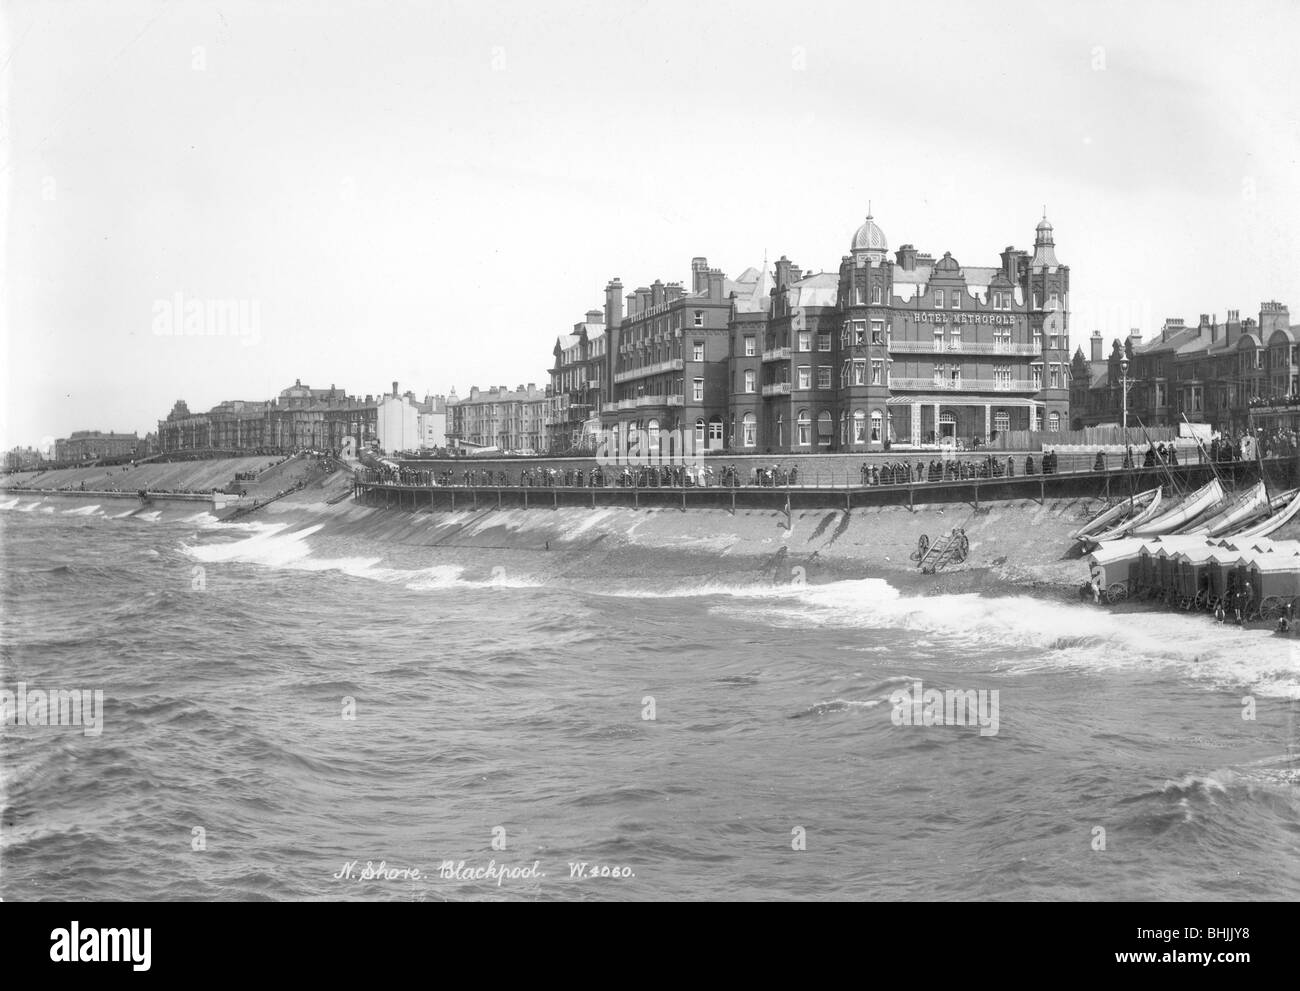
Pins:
x,y
1201,447
1259,459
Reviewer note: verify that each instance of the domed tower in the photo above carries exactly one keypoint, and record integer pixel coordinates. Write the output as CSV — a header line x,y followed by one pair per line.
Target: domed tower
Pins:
x,y
869,243
1044,246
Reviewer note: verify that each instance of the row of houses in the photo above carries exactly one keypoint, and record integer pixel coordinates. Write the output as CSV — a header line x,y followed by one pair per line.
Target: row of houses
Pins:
x,y
1235,375
80,446
908,350
302,417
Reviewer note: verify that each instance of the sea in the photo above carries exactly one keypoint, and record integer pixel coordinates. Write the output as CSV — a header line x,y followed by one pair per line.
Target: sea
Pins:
x,y
286,714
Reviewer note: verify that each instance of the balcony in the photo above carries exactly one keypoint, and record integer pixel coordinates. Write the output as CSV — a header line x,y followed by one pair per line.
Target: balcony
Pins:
x,y
658,399
964,347
609,407
626,404
776,354
963,385
676,400
777,389
632,374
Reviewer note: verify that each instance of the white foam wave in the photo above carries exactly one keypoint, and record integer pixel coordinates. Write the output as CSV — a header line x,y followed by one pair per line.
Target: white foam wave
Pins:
x,y
1038,634
83,511
269,546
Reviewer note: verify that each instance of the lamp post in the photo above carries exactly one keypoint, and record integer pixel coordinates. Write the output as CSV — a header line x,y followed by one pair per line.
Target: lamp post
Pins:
x,y
1123,371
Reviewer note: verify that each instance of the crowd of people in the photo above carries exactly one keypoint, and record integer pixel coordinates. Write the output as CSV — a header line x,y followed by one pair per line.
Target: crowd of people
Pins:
x,y
678,476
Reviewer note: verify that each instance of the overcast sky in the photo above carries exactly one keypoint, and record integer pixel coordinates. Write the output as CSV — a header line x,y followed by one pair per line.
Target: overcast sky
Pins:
x,y
432,192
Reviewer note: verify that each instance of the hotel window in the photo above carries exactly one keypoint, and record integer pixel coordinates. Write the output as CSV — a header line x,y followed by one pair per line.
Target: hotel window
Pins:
x,y
1036,376
875,294
1038,340
805,341
859,373
877,332
877,421
938,337
859,427
805,429
1053,300
697,391
940,374
956,299
877,372
1037,300
823,342
780,429
860,295
749,346
844,429
1002,376
954,379
823,376
825,427
715,432
1001,421
844,336
1054,341
859,332
805,377
938,299
1054,422
996,299
749,380
697,351
749,428
844,375
1002,338
699,318
1054,373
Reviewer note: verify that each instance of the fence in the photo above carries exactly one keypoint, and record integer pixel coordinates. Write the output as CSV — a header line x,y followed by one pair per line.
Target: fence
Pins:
x,y
1036,440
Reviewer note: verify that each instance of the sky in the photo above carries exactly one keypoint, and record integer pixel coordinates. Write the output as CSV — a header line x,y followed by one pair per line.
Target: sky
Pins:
x,y
355,193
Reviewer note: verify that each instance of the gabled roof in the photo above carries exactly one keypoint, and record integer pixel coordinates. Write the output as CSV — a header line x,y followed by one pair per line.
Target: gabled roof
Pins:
x,y
822,289
753,290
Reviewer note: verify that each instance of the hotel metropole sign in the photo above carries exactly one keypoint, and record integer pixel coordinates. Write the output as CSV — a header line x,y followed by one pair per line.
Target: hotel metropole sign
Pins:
x,y
960,316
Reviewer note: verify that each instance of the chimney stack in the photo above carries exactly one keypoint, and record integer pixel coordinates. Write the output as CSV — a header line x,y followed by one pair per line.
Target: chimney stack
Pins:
x,y
1096,345
782,272
613,303
394,388
716,279
699,275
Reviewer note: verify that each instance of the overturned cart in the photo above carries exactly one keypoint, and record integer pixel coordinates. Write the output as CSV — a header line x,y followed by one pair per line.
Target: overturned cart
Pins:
x,y
950,549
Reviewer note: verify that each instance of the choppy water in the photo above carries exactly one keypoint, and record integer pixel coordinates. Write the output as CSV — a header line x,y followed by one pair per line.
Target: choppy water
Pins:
x,y
491,705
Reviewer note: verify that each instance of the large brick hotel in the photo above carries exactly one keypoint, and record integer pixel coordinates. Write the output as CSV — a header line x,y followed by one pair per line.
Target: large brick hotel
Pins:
x,y
909,351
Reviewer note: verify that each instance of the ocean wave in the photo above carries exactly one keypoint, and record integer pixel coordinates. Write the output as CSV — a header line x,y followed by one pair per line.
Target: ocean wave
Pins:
x,y
1032,633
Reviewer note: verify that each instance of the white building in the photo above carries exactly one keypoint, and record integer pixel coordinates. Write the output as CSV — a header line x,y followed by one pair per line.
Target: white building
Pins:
x,y
397,423
432,422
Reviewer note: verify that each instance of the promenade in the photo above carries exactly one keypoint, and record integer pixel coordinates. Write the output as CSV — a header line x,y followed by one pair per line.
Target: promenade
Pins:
x,y
374,488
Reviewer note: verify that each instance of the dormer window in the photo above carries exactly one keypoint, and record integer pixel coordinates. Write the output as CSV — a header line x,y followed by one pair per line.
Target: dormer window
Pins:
x,y
938,299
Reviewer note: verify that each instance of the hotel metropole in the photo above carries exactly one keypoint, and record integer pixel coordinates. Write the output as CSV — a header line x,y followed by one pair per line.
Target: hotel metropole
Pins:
x,y
909,352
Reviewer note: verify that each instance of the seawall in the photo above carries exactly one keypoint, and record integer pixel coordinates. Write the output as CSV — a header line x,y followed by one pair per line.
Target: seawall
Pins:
x,y
1016,544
